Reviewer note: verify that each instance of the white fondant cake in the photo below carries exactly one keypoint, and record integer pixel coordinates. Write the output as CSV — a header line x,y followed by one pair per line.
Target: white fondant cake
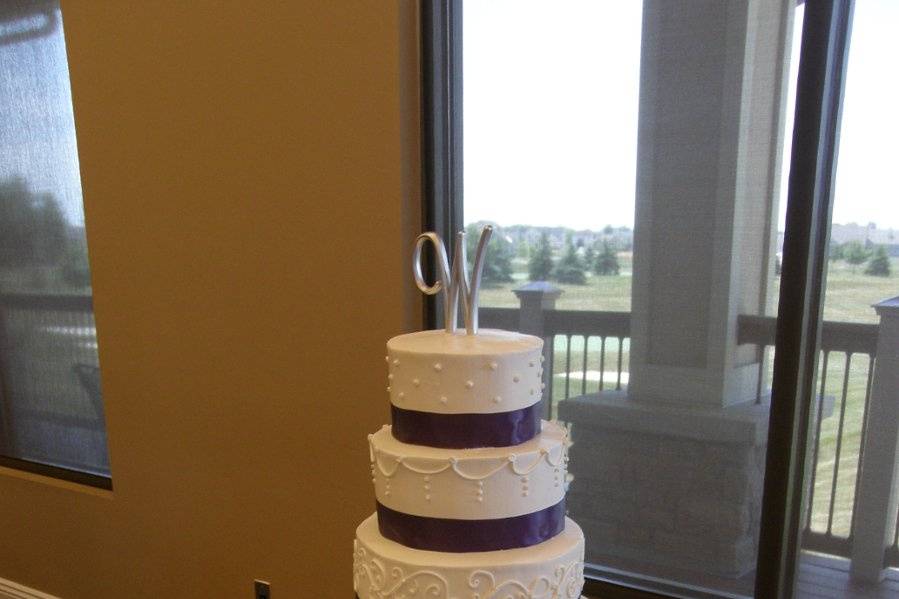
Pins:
x,y
446,492
455,373
383,569
470,484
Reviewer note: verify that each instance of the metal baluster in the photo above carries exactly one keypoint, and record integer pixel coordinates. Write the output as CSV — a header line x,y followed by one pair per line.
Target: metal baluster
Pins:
x,y
602,362
760,354
620,356
584,378
551,366
567,365
819,417
836,463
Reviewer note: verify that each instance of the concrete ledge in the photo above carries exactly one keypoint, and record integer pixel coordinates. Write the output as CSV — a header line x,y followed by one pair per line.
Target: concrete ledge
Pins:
x,y
745,424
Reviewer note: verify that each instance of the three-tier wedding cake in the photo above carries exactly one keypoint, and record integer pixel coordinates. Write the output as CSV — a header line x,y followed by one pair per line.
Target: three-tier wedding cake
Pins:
x,y
469,481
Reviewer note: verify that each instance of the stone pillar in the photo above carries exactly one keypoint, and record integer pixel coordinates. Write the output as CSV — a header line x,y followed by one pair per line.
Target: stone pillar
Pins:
x,y
878,490
670,472
712,90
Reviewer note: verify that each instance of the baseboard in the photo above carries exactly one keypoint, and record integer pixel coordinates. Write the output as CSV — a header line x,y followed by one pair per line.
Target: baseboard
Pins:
x,y
12,590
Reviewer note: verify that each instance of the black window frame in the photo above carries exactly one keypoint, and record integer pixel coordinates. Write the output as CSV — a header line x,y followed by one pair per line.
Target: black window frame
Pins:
x,y
822,66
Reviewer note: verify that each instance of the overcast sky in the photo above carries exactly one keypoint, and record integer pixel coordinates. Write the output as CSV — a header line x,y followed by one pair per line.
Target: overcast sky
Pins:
x,y
550,113
37,135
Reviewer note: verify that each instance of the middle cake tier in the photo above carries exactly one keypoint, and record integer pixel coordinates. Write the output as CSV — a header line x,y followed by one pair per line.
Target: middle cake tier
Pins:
x,y
494,490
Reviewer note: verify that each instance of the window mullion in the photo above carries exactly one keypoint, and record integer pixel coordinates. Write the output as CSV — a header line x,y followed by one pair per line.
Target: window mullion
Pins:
x,y
815,134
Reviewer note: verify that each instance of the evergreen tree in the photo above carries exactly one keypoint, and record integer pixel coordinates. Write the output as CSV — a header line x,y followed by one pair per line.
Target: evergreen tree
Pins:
x,y
540,265
606,262
590,256
523,249
498,258
836,251
854,253
32,228
879,266
570,269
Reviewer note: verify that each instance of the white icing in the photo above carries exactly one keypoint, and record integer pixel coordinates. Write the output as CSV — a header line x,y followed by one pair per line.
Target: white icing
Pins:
x,y
384,569
470,484
455,373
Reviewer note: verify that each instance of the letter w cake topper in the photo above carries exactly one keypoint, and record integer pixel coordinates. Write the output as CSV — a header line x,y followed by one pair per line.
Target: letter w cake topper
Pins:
x,y
453,280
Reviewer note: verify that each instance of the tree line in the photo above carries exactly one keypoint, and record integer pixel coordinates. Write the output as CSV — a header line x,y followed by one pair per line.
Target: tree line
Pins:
x,y
576,260
39,249
856,254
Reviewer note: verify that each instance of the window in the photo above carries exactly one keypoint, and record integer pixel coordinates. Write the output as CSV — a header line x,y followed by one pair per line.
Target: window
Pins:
x,y
851,478
637,160
51,410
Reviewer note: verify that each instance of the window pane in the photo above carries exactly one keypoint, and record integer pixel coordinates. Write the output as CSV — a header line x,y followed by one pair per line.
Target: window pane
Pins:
x,y
51,408
631,155
849,527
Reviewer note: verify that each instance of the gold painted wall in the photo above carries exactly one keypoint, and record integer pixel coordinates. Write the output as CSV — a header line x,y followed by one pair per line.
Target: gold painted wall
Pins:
x,y
251,192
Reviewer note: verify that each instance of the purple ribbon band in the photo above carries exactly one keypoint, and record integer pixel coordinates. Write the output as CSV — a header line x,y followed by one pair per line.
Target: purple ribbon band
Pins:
x,y
463,431
466,536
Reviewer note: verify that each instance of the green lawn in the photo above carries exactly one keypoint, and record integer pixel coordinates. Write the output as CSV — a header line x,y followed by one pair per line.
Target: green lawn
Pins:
x,y
848,297
600,293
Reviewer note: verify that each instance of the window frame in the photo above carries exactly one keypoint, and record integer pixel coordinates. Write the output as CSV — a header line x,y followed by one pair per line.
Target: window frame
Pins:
x,y
55,472
441,131
819,97
822,66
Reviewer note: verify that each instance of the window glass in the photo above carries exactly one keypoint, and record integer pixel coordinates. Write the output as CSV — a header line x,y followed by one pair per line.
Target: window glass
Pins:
x,y
51,409
631,156
852,489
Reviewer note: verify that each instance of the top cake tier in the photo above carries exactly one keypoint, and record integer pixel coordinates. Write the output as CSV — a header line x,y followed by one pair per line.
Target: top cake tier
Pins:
x,y
458,390
454,373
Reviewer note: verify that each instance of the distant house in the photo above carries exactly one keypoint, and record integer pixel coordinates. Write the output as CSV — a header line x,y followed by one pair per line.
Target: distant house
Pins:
x,y
868,235
888,238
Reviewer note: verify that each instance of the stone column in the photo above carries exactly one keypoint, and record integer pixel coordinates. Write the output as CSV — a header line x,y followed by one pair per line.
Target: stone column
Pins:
x,y
670,472
712,91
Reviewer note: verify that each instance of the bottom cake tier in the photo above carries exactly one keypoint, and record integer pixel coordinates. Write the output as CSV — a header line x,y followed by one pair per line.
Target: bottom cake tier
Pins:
x,y
384,569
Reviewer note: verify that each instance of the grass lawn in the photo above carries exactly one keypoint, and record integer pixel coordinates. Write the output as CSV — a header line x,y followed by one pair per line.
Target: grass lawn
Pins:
x,y
600,293
848,297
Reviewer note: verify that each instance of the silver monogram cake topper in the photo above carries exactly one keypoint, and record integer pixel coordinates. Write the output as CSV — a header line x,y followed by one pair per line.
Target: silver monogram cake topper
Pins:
x,y
453,280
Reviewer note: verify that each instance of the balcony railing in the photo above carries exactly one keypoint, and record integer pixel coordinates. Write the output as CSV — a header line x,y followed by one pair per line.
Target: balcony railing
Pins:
x,y
51,408
588,353
848,352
